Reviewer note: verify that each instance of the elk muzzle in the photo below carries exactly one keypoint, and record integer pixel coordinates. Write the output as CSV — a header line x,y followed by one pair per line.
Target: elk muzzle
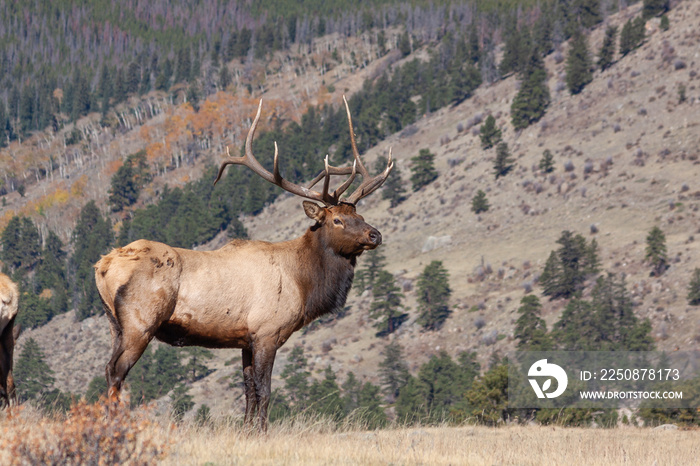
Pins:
x,y
374,238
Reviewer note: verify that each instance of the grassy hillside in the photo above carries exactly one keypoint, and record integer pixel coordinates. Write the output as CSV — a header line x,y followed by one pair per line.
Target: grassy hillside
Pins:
x,y
625,157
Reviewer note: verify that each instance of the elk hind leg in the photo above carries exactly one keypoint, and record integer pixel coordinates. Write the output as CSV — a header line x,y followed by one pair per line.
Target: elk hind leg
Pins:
x,y
125,354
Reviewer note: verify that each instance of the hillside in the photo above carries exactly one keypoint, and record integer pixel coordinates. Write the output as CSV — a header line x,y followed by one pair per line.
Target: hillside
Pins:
x,y
634,152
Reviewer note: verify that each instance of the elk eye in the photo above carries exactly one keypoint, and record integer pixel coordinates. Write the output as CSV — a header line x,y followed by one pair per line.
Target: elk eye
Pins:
x,y
337,221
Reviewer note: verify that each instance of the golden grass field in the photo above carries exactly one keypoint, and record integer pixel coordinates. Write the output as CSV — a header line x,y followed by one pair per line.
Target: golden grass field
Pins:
x,y
88,436
468,445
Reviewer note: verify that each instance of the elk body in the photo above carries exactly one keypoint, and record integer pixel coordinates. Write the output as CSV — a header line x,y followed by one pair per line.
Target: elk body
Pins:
x,y
9,296
251,295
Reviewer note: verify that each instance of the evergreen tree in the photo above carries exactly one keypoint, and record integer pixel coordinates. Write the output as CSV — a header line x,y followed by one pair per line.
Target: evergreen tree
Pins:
x,y
433,296
92,237
366,276
32,374
503,163
393,188
546,164
651,8
632,35
490,134
128,181
694,288
370,411
324,397
181,402
567,269
196,367
532,100
203,415
96,388
530,328
394,374
607,50
51,273
488,397
386,304
423,169
588,12
618,327
155,374
404,44
21,246
656,251
296,379
578,64
479,202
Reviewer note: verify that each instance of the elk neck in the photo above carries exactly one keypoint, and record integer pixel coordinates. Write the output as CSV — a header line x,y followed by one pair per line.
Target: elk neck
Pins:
x,y
325,277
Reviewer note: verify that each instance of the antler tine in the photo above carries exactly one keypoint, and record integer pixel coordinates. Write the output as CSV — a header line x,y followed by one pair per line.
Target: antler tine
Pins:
x,y
355,152
370,185
275,178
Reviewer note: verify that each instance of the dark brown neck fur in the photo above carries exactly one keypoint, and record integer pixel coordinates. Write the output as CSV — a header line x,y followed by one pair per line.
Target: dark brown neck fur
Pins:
x,y
325,277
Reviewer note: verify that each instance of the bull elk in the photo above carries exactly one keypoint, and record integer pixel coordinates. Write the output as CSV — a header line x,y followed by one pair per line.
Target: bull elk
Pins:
x,y
9,296
251,295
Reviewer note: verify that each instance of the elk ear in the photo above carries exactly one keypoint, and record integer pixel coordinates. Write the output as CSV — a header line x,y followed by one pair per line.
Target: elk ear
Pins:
x,y
314,211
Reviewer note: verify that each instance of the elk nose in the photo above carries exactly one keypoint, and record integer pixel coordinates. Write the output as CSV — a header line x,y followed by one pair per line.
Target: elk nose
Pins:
x,y
375,237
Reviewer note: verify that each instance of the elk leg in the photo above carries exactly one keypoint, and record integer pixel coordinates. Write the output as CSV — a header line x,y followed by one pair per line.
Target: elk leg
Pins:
x,y
124,356
263,360
7,384
251,403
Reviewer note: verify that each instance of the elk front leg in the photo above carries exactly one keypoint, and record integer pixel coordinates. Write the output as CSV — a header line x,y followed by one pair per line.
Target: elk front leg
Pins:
x,y
263,360
251,402
7,384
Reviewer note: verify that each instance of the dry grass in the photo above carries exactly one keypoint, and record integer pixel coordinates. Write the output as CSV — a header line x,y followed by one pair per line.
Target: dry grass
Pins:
x,y
92,435
316,445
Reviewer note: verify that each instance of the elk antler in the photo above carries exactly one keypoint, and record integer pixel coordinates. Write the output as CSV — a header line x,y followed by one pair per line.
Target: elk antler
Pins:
x,y
275,178
368,184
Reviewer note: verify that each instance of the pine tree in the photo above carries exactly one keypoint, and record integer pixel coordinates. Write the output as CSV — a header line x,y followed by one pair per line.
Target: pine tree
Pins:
x,y
196,367
503,162
653,8
694,288
386,304
546,164
607,50
394,374
423,169
181,402
433,296
656,251
567,268
393,188
488,397
489,133
324,397
33,375
632,35
366,276
532,100
296,379
92,237
530,328
96,388
479,202
578,64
